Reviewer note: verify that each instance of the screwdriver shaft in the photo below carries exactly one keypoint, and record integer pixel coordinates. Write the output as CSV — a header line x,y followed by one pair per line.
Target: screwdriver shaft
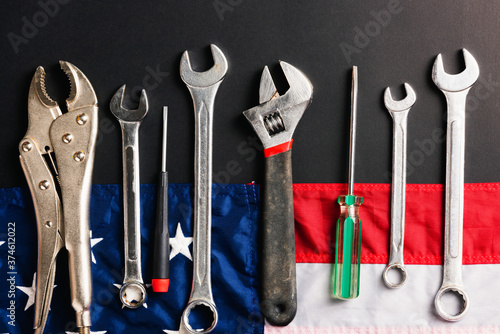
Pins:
x,y
352,139
164,141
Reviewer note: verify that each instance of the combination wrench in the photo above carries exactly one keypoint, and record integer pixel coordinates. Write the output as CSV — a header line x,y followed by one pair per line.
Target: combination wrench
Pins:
x,y
203,87
455,88
399,112
132,292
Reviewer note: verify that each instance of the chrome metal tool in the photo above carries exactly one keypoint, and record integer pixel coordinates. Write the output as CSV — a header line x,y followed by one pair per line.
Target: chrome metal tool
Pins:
x,y
455,88
133,292
399,112
61,191
203,87
274,121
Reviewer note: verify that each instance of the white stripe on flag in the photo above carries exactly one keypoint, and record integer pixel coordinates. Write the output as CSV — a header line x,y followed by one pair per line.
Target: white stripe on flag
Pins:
x,y
378,309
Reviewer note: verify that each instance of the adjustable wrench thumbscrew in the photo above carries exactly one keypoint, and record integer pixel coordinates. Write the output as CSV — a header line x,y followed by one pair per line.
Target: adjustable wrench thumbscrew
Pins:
x,y
455,88
399,112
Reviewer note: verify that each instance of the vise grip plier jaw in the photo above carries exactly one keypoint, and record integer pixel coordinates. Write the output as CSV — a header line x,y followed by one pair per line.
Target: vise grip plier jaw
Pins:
x,y
60,147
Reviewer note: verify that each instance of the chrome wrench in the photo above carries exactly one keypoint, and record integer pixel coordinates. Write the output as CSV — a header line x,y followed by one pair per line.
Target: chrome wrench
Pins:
x,y
455,88
133,292
203,87
399,112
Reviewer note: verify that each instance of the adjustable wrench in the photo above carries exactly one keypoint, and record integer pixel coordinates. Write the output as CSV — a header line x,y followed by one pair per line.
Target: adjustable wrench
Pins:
x,y
133,292
455,88
399,112
274,121
203,87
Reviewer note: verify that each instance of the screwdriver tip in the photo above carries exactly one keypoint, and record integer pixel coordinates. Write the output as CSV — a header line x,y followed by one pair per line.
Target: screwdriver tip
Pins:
x,y
164,141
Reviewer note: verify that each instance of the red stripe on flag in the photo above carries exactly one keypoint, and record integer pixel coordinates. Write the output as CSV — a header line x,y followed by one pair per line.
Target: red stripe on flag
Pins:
x,y
317,211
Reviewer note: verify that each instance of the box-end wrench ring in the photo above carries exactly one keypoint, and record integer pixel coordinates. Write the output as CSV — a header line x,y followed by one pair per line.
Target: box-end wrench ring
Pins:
x,y
455,88
203,87
399,112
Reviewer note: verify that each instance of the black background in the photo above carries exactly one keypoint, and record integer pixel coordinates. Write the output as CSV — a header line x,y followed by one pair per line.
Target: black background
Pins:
x,y
117,42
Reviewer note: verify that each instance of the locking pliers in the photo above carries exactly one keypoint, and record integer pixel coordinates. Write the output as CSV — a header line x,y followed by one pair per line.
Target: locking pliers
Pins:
x,y
60,147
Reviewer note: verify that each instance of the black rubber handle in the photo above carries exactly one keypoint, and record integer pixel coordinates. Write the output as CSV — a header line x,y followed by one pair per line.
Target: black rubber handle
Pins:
x,y
279,285
162,242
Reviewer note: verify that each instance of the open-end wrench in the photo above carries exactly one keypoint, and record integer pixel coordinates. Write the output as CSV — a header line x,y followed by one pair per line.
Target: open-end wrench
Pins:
x,y
274,121
455,89
399,112
203,87
133,292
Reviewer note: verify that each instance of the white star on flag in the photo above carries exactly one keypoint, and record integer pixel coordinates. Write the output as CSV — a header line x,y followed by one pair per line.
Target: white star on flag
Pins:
x,y
91,332
30,291
93,242
119,286
180,244
2,242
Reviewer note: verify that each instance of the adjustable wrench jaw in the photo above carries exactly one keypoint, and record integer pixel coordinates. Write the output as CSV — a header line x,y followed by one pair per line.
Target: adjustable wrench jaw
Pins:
x,y
62,218
276,118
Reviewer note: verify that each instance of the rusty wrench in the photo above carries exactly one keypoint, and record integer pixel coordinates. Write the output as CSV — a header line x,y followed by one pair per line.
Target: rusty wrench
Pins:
x,y
274,121
455,89
399,112
203,87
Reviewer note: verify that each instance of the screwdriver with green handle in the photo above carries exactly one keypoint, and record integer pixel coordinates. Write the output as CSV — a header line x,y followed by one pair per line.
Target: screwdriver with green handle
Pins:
x,y
345,273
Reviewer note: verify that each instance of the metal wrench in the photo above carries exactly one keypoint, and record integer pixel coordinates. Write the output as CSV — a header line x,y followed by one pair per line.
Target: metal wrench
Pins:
x,y
133,292
274,120
203,87
399,112
455,88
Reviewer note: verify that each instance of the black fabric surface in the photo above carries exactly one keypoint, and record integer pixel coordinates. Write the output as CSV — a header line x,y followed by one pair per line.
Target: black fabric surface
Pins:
x,y
141,42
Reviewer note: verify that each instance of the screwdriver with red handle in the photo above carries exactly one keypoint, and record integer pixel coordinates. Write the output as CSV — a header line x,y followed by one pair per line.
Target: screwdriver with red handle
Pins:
x,y
161,255
345,275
